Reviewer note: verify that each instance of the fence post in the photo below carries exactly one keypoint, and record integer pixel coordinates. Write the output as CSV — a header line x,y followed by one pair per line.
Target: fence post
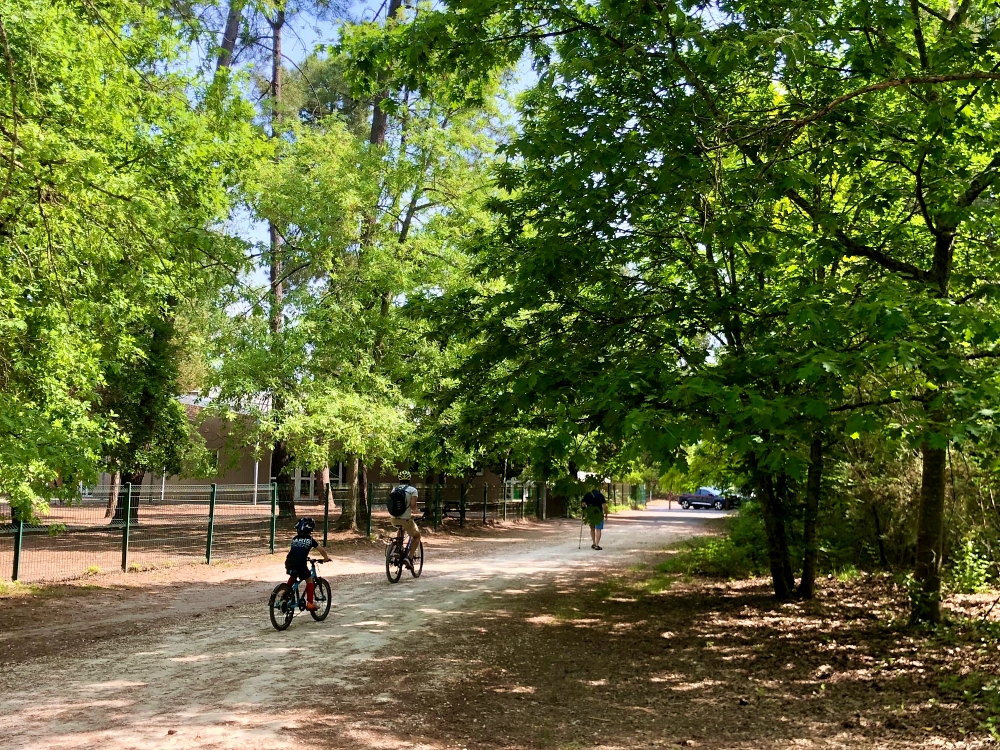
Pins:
x,y
368,530
128,525
326,512
486,491
18,539
437,506
274,512
461,506
211,523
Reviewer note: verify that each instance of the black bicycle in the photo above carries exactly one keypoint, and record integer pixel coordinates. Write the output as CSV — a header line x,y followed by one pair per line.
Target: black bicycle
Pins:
x,y
399,555
286,599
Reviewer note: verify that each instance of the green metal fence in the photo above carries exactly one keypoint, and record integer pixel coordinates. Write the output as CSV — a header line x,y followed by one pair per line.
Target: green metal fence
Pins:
x,y
150,526
467,502
154,526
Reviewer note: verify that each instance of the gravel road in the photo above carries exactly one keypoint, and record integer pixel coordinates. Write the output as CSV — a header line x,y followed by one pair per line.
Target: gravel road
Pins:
x,y
191,660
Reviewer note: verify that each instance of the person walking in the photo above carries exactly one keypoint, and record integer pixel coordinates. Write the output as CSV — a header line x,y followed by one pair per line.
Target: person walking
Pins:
x,y
595,510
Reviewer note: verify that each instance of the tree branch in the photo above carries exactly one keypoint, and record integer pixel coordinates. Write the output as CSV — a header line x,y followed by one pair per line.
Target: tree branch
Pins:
x,y
13,110
918,35
980,182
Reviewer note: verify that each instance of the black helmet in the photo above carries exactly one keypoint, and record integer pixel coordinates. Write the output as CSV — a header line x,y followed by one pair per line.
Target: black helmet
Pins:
x,y
305,526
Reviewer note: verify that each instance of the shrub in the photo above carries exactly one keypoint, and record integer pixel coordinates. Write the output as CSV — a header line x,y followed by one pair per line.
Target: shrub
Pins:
x,y
969,571
716,557
740,554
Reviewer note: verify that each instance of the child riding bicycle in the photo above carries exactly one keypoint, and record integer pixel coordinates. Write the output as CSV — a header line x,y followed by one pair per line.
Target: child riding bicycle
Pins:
x,y
296,561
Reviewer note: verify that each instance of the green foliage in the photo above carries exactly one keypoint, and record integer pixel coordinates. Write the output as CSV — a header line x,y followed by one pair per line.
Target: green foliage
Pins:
x,y
371,234
979,688
740,553
116,167
762,227
969,571
714,557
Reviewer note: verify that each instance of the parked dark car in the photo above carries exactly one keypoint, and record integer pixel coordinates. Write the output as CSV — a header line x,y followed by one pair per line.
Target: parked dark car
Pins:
x,y
708,497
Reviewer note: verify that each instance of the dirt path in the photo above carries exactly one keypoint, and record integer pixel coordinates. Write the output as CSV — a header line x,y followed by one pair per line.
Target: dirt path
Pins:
x,y
196,662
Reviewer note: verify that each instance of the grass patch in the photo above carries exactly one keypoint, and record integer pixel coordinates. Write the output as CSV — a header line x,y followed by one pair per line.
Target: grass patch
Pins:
x,y
847,574
713,557
12,589
979,689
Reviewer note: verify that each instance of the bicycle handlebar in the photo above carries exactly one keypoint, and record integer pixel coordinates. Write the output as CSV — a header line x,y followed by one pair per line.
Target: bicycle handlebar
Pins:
x,y
317,560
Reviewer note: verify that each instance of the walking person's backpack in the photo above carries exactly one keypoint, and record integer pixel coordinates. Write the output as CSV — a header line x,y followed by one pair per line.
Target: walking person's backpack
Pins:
x,y
398,501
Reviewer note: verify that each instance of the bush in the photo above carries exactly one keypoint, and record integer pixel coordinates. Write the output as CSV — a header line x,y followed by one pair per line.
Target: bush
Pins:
x,y
716,557
969,571
742,553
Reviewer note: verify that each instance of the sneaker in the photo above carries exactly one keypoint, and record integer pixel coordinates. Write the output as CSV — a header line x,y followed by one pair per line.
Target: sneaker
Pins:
x,y
594,546
311,607
597,546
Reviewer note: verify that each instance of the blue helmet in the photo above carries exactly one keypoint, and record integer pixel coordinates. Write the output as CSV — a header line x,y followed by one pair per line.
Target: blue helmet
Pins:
x,y
305,526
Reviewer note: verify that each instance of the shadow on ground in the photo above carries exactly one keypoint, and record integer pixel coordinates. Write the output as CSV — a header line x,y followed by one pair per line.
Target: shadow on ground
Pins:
x,y
642,661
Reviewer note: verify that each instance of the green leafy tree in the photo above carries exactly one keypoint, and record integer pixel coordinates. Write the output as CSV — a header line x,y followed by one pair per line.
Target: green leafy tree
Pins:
x,y
782,208
116,168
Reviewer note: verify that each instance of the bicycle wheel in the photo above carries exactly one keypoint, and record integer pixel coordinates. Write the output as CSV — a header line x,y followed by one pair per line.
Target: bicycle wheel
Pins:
x,y
321,598
393,562
417,557
282,606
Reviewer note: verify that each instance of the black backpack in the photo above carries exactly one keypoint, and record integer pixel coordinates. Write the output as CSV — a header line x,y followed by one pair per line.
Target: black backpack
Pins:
x,y
398,501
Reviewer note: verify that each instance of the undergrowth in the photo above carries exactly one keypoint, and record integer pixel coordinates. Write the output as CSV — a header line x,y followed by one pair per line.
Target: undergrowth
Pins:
x,y
739,553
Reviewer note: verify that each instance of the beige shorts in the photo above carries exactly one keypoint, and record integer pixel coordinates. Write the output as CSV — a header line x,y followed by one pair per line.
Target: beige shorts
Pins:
x,y
408,526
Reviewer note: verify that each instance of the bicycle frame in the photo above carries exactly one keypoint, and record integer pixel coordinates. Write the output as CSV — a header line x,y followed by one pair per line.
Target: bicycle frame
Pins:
x,y
300,599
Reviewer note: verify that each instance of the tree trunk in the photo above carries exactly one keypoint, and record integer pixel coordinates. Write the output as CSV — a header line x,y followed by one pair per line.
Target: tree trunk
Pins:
x,y
380,120
814,479
363,498
323,478
126,478
116,483
348,513
926,604
230,35
280,458
280,470
777,538
882,557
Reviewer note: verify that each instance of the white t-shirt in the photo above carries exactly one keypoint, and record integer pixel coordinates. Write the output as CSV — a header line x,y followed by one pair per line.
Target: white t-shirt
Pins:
x,y
411,492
